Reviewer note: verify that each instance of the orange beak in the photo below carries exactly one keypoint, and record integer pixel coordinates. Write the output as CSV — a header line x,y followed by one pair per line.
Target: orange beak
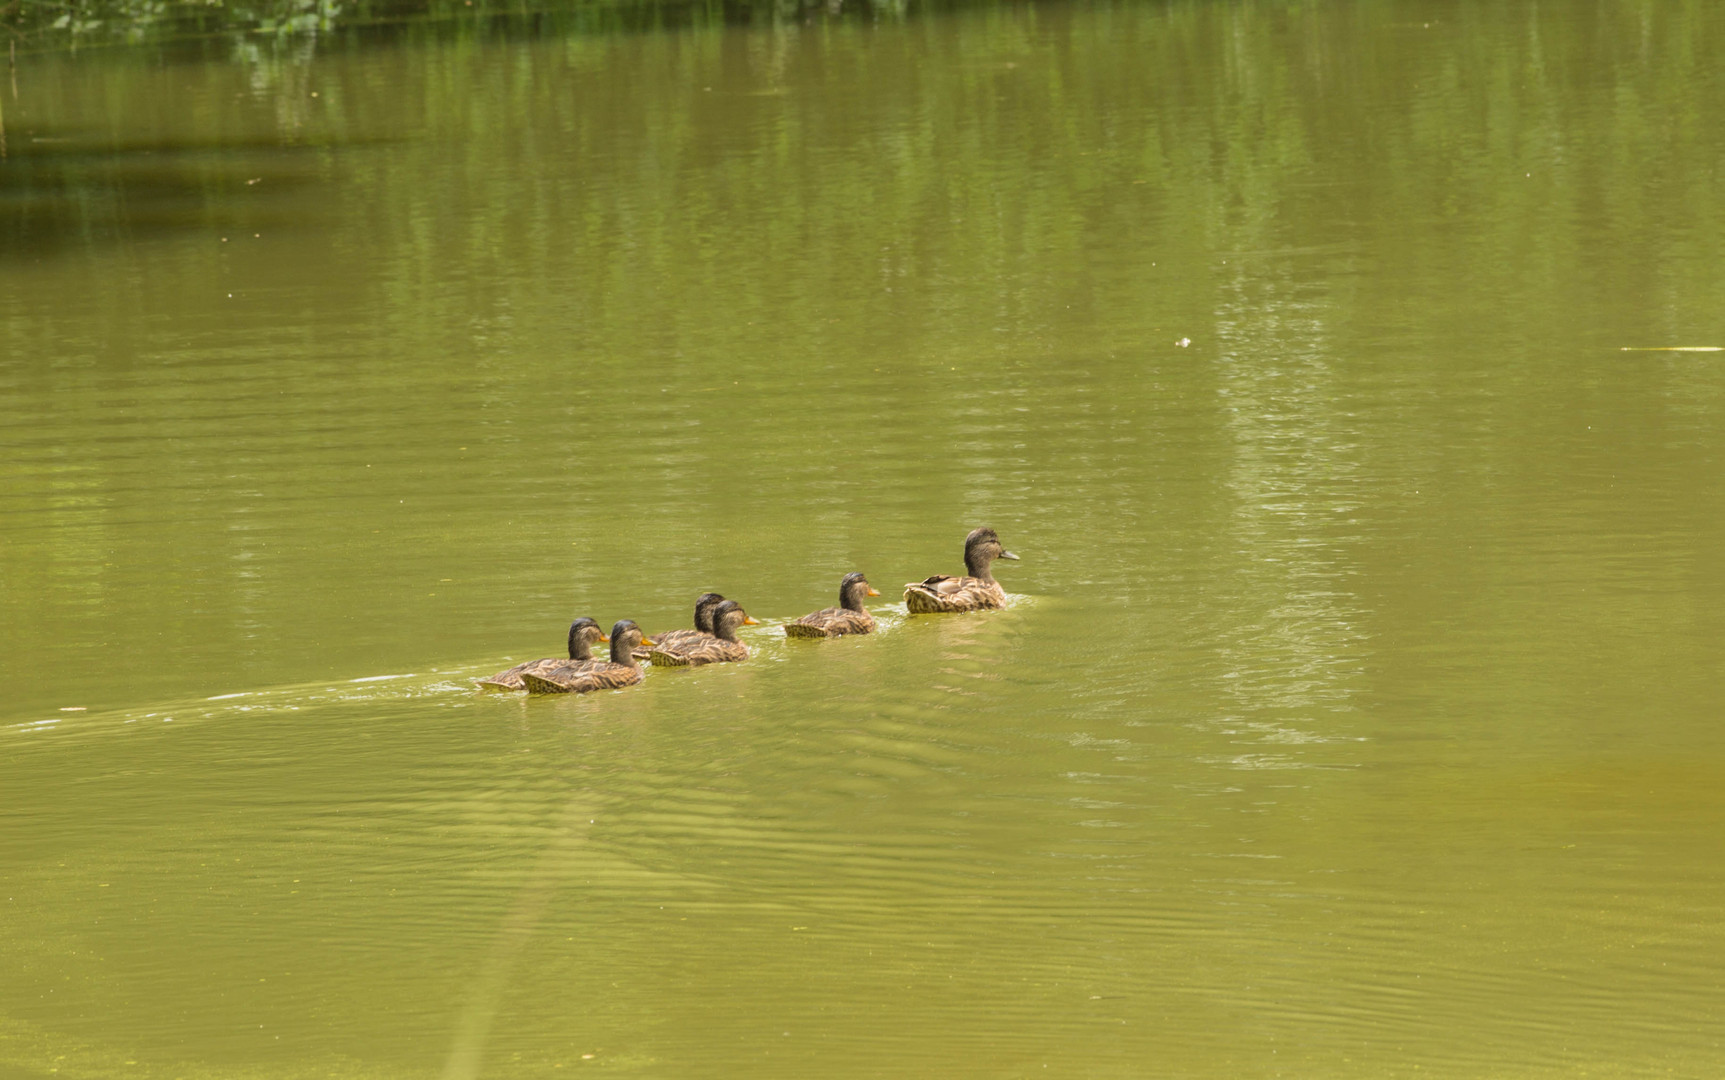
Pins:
x,y
749,620
604,637
872,591
645,640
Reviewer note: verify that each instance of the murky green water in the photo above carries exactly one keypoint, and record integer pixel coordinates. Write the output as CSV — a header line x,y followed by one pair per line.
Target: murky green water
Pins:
x,y
1359,711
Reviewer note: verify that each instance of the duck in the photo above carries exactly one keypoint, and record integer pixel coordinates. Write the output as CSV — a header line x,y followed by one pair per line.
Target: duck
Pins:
x,y
721,647
583,632
623,670
850,617
704,605
976,592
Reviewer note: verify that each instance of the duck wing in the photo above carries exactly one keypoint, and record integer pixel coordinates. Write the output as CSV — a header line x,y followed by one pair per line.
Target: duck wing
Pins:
x,y
942,593
709,650
831,622
670,639
563,671
580,677
512,678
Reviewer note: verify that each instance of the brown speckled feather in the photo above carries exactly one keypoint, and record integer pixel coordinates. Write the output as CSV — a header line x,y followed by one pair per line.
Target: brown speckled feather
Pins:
x,y
831,622
562,671
707,650
672,641
943,593
579,679
511,679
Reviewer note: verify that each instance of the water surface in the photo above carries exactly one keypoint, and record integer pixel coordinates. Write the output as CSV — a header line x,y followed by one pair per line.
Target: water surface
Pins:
x,y
1356,713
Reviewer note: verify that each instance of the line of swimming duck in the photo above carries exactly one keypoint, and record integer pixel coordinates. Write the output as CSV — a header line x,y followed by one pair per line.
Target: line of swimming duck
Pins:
x,y
714,638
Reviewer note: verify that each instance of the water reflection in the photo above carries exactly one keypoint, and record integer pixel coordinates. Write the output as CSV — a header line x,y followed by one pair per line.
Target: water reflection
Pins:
x,y
1295,483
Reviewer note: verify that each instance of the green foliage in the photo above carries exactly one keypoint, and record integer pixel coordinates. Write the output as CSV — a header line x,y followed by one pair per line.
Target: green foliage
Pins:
x,y
50,23
54,24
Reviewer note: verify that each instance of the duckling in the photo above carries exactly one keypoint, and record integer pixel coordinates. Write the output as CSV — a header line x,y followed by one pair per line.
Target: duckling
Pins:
x,y
722,647
850,617
704,606
582,633
977,592
620,672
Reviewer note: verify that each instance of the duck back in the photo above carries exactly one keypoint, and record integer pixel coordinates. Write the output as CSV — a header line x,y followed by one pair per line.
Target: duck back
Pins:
x,y
709,650
942,593
831,622
576,678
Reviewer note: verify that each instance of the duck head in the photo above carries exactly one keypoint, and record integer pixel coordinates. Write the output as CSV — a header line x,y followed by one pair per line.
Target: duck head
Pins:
x,y
583,632
981,548
704,606
853,589
625,635
727,617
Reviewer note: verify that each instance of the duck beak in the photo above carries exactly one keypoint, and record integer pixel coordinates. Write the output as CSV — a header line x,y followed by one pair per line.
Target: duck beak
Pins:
x,y
1009,555
872,591
645,640
750,620
604,639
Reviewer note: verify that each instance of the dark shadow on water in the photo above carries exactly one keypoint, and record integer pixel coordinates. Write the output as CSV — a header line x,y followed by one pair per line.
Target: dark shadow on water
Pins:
x,y
64,190
69,189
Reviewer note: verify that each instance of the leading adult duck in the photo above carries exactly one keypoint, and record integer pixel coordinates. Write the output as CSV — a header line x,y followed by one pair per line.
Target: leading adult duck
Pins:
x,y
850,617
623,670
976,592
722,647
583,632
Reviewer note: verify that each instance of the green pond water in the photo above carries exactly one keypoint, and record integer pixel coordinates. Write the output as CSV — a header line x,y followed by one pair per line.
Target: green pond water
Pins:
x,y
1358,710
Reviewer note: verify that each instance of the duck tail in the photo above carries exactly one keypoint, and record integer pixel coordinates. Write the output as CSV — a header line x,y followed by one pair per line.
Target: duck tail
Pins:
x,y
537,685
922,600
